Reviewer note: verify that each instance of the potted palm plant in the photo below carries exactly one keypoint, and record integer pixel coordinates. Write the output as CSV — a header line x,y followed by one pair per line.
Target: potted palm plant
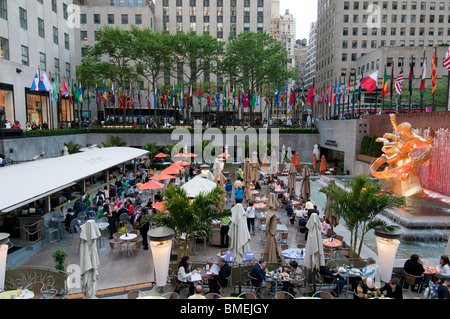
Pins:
x,y
190,216
359,206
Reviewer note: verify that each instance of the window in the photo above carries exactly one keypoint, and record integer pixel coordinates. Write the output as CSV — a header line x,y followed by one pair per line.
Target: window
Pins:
x,y
41,29
138,19
124,18
66,41
97,18
83,35
4,48
65,14
83,18
24,51
68,70
56,63
42,62
55,35
3,9
54,6
110,18
23,18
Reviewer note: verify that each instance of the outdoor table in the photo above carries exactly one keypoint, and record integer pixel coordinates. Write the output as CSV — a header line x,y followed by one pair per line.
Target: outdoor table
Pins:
x,y
332,242
263,215
275,278
280,228
259,205
349,273
228,256
294,253
255,192
295,202
101,226
18,294
60,221
127,238
4,237
429,270
261,199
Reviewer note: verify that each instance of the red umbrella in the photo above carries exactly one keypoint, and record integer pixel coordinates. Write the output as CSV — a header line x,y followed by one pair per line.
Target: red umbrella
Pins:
x,y
182,163
161,155
151,185
160,206
191,155
170,170
162,177
180,155
224,155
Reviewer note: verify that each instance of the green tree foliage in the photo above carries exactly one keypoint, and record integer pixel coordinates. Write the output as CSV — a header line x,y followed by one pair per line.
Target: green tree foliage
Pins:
x,y
114,141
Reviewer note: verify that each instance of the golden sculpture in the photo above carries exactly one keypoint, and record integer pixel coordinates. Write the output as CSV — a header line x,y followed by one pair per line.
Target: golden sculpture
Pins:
x,y
401,174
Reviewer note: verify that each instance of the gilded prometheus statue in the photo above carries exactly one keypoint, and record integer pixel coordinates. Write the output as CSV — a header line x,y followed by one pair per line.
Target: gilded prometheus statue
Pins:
x,y
401,174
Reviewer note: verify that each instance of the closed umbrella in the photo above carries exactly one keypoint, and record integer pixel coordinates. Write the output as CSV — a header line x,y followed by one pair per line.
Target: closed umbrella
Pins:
x,y
255,168
314,161
292,177
239,236
297,161
305,191
314,256
274,162
323,165
272,251
247,180
289,153
330,214
89,260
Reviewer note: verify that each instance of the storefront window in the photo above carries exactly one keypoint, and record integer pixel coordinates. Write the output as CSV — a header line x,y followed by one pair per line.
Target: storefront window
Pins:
x,y
66,111
37,109
7,103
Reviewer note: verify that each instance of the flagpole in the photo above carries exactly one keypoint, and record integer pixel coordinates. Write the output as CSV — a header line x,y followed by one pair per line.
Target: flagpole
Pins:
x,y
432,95
411,72
422,93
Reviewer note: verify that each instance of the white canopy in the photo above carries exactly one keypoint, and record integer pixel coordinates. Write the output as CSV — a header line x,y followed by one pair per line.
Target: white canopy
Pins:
x,y
197,185
30,181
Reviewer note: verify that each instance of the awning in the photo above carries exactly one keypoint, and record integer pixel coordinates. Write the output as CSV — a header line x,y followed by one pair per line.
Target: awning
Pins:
x,y
27,182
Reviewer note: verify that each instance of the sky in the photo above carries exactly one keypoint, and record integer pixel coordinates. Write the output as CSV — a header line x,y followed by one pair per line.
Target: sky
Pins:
x,y
305,12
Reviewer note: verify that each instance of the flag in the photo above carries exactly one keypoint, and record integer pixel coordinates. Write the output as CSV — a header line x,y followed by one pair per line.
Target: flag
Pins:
x,y
45,85
276,96
310,98
398,82
339,93
35,83
112,96
334,92
241,100
433,74
423,77
411,76
370,82
233,97
80,96
182,98
97,96
253,99
258,99
119,99
208,97
359,88
155,94
55,88
174,98
200,94
65,89
447,60
88,95
284,93
330,99
224,97
70,95
164,96
104,96
267,95
75,94
347,90
217,99
292,98
385,87
247,99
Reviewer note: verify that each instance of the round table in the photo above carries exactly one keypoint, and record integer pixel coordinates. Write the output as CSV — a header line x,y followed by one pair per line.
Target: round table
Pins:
x,y
228,256
259,205
261,199
429,270
18,294
4,238
294,253
127,238
332,242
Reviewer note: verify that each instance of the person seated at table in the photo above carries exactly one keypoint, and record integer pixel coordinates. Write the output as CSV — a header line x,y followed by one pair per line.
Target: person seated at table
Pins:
x,y
69,217
393,289
292,195
366,289
443,269
325,227
221,279
443,289
332,276
433,286
158,197
290,213
277,186
257,275
197,293
184,274
282,184
302,224
295,277
414,266
369,270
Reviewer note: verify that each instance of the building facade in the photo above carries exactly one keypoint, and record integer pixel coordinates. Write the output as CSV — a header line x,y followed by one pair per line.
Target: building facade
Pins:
x,y
35,38
310,68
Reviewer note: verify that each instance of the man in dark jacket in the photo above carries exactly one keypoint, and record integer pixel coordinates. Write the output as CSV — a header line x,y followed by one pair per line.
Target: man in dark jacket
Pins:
x,y
258,274
221,279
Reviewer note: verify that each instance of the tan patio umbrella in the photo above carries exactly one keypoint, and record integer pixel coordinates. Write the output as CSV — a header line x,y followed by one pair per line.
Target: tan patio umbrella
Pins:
x,y
292,177
89,259
330,215
272,251
314,161
247,180
314,256
255,168
305,191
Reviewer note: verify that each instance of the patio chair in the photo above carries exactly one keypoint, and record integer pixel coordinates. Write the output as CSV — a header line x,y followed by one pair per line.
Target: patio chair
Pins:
x,y
416,282
114,246
323,295
103,220
247,295
283,295
134,294
51,231
171,295
36,288
135,246
123,217
326,281
284,246
301,246
212,295
283,238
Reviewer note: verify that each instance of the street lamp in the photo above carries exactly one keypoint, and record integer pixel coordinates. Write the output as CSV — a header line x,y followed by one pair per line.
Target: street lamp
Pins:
x,y
161,246
3,254
387,244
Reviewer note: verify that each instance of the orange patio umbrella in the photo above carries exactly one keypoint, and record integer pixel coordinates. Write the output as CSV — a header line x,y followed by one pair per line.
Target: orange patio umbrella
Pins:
x,y
224,155
323,164
297,161
182,163
160,206
191,155
314,161
265,163
170,170
161,177
161,155
180,155
151,185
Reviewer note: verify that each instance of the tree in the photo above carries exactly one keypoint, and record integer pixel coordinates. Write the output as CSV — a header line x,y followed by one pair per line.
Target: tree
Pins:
x,y
196,54
254,59
72,147
189,217
359,207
